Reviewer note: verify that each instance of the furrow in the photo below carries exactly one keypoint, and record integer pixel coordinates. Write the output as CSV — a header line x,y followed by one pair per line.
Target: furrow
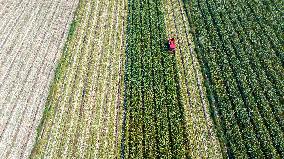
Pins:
x,y
8,9
17,88
119,48
21,60
20,109
78,112
51,148
107,95
40,83
93,99
14,23
101,85
85,109
120,84
212,142
12,51
80,134
79,126
49,72
192,123
93,51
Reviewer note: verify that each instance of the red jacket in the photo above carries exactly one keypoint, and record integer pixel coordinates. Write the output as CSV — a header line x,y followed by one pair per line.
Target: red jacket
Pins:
x,y
172,43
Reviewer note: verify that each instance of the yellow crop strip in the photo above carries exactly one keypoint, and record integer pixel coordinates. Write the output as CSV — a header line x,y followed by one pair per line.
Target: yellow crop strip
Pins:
x,y
58,85
202,137
83,112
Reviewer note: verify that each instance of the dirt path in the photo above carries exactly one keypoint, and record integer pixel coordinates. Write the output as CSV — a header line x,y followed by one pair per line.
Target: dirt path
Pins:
x,y
31,39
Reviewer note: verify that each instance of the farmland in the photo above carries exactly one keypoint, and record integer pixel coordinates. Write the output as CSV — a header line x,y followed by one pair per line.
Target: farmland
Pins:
x,y
241,53
95,79
153,120
202,136
32,33
161,118
82,117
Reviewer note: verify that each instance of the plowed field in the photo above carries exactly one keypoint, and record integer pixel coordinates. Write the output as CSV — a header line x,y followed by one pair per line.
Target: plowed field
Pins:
x,y
32,34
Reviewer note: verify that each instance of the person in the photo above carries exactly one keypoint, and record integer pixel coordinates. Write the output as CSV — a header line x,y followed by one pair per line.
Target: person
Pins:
x,y
172,44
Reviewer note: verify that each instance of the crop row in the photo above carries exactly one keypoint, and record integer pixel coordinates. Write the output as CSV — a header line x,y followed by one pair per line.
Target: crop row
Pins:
x,y
202,137
154,121
60,82
241,80
82,114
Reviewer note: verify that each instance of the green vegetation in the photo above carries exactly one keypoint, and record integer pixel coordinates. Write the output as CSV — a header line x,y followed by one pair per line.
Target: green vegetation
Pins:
x,y
154,123
239,47
242,59
82,116
61,67
202,138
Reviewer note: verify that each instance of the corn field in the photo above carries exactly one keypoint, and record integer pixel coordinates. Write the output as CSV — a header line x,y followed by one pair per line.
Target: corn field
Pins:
x,y
96,79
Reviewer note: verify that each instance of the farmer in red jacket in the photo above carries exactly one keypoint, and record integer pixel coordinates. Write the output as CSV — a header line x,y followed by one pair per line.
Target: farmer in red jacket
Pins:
x,y
172,45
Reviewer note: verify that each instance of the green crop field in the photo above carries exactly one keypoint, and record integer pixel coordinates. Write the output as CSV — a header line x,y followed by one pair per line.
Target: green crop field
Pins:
x,y
114,90
122,94
240,47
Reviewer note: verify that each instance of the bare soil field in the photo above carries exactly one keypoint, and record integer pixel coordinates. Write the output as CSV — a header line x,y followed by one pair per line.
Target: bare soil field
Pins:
x,y
32,34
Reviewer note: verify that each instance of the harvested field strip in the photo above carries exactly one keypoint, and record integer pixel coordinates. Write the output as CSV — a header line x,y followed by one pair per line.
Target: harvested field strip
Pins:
x,y
202,137
43,63
240,55
16,20
154,121
7,7
28,59
82,117
16,59
24,77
